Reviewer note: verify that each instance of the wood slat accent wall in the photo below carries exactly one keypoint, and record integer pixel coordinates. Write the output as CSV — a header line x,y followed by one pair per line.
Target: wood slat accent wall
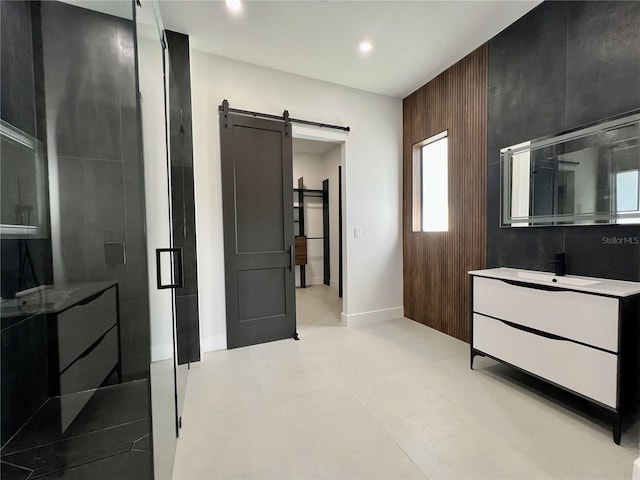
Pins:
x,y
436,284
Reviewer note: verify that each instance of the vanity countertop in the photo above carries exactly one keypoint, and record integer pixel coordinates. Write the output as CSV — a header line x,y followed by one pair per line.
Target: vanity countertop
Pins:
x,y
599,286
51,298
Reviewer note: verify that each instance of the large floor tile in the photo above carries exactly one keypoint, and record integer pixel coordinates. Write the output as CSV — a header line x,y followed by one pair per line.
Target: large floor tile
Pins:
x,y
389,400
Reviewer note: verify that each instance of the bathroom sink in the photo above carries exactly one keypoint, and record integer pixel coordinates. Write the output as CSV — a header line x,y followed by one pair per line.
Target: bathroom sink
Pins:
x,y
577,282
604,286
35,300
43,295
551,278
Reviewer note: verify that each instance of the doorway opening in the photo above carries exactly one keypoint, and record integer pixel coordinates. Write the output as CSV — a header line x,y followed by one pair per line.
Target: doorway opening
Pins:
x,y
317,184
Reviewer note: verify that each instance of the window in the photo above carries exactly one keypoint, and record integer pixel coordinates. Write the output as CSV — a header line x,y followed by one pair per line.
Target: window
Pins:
x,y
430,185
627,194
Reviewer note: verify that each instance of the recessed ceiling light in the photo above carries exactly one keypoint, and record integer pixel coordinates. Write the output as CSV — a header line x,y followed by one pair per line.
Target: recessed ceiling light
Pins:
x,y
365,47
233,5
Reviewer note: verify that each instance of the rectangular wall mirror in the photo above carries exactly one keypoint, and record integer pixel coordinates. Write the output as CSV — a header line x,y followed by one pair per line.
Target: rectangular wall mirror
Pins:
x,y
587,176
23,194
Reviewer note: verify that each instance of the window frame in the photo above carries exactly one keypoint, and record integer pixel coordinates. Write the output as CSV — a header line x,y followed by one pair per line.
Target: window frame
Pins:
x,y
417,224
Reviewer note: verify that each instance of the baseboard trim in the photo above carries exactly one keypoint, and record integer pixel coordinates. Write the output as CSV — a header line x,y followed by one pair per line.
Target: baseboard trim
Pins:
x,y
212,344
364,318
161,352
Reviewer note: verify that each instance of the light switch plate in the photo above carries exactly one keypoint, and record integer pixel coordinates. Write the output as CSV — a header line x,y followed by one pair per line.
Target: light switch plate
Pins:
x,y
357,232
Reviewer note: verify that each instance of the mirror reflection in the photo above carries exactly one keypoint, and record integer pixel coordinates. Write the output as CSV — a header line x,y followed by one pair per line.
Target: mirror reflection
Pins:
x,y
75,299
22,201
588,176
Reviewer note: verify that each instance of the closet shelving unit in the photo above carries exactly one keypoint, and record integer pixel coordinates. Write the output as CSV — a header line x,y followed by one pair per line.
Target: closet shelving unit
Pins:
x,y
301,193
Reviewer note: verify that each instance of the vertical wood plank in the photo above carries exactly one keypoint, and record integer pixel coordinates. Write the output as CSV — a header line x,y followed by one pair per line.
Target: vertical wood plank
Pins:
x,y
436,288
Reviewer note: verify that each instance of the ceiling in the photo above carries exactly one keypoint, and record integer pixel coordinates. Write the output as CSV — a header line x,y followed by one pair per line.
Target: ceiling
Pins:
x,y
413,41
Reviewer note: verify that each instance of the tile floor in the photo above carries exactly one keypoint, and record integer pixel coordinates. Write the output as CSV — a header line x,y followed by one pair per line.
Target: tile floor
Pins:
x,y
390,400
104,441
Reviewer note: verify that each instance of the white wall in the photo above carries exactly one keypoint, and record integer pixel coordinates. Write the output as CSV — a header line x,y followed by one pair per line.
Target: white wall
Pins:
x,y
372,177
310,167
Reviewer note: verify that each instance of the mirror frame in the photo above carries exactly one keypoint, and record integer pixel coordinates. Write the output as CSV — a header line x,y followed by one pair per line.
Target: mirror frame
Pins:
x,y
561,220
35,229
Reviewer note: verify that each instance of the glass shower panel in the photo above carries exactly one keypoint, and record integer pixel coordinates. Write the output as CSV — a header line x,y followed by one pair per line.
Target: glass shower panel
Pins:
x,y
75,299
176,179
152,73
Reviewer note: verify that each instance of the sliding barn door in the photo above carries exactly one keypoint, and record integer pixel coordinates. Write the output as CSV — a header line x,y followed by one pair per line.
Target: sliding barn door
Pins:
x,y
257,199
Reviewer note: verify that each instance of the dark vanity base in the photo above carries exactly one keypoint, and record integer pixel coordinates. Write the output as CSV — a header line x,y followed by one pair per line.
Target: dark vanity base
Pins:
x,y
614,416
109,438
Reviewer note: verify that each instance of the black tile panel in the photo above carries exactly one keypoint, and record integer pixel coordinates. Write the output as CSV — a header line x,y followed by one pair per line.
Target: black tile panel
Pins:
x,y
69,463
180,91
21,105
493,196
79,449
17,103
23,369
189,193
530,248
527,73
188,329
134,339
603,64
604,251
190,268
107,407
82,85
131,465
13,472
16,250
183,195
135,236
562,65
92,205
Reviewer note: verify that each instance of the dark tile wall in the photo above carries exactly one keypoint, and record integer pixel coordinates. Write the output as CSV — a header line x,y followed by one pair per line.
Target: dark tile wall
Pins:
x,y
20,73
563,65
183,196
23,366
603,60
90,93
13,258
24,262
17,102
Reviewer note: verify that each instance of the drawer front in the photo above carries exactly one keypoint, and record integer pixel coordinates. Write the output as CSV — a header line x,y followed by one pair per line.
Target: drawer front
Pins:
x,y
82,325
90,371
589,319
585,370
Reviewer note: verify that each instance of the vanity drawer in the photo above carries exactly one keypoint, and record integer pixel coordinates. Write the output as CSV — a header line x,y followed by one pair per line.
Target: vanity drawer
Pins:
x,y
82,325
90,371
583,317
585,370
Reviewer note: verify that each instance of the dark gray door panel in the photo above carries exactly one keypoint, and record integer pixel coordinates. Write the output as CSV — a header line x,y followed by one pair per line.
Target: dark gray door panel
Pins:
x,y
258,230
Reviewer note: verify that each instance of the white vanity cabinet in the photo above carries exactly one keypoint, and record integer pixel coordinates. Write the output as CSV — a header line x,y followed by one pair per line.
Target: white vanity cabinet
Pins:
x,y
571,336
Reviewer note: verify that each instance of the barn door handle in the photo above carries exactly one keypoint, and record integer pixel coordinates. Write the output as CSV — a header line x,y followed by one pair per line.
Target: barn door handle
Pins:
x,y
291,259
175,255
